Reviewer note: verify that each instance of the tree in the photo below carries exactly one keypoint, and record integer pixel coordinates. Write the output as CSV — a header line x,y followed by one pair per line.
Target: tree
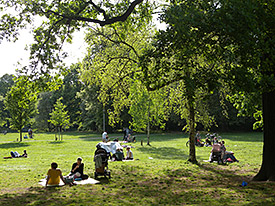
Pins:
x,y
44,106
239,37
6,82
60,20
59,117
147,108
111,62
21,103
175,61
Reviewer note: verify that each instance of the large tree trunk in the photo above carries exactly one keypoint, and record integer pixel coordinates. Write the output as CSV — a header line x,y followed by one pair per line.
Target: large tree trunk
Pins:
x,y
192,149
20,132
267,171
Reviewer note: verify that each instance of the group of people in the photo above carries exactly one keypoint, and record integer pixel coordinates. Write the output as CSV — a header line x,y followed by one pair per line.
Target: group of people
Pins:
x,y
118,153
54,174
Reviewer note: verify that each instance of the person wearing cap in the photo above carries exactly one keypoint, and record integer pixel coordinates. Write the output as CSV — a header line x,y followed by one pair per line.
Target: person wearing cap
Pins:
x,y
77,169
129,155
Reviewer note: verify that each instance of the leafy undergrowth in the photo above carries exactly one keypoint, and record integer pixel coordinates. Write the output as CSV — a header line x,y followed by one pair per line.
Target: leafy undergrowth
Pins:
x,y
166,178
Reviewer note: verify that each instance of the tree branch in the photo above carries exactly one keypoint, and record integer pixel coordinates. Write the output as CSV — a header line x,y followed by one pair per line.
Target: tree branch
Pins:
x,y
107,20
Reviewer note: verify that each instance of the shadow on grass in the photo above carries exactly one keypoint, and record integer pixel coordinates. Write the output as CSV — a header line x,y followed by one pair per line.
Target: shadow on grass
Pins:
x,y
207,184
13,145
164,152
161,137
57,142
244,137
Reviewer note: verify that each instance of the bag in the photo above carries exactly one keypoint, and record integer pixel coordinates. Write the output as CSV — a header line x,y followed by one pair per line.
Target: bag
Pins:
x,y
69,179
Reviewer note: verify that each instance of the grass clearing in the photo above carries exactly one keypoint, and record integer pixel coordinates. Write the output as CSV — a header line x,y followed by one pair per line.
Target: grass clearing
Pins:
x,y
167,179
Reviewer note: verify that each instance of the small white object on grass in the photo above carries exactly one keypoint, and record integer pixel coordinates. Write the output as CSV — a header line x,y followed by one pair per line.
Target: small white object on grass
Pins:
x,y
150,158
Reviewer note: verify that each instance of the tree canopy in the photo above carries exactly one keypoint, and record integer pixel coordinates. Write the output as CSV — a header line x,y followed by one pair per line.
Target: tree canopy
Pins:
x,y
60,19
21,102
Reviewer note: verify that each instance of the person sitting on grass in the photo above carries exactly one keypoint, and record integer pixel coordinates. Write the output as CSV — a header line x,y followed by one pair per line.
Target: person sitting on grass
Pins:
x,y
54,175
77,170
129,155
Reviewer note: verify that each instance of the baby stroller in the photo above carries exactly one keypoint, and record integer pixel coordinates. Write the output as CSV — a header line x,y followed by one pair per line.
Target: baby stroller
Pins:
x,y
101,163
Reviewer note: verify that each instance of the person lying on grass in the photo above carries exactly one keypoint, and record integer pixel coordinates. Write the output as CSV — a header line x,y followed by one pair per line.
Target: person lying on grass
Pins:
x,y
16,155
77,170
54,175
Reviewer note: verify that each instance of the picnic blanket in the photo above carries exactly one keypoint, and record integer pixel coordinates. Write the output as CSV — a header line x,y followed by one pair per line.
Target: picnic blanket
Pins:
x,y
81,182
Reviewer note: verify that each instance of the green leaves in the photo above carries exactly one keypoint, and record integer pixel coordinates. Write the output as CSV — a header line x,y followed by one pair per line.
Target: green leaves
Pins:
x,y
21,103
60,20
59,116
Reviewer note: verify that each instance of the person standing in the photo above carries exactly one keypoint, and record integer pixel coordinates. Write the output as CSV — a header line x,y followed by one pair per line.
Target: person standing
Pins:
x,y
30,133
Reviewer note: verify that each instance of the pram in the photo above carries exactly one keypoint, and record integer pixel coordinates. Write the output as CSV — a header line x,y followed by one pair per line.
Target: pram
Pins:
x,y
101,163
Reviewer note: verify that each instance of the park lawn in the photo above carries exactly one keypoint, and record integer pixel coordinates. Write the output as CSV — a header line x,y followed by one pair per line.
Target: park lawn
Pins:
x,y
166,178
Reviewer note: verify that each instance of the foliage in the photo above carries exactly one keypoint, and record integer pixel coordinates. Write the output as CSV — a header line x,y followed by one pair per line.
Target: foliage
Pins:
x,y
111,62
6,81
21,103
68,90
147,108
174,60
60,19
59,116
91,109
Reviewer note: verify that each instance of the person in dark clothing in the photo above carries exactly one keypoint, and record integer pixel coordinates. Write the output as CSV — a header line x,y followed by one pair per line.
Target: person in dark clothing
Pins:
x,y
77,169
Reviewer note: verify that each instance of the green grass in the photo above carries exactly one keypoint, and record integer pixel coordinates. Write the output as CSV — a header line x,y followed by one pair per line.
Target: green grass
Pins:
x,y
167,179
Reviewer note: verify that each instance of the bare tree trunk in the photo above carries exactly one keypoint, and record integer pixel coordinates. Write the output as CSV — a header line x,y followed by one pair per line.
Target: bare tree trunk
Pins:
x,y
192,149
148,125
59,130
267,171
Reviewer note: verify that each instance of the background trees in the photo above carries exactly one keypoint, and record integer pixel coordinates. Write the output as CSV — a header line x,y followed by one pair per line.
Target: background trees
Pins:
x,y
6,82
59,117
21,103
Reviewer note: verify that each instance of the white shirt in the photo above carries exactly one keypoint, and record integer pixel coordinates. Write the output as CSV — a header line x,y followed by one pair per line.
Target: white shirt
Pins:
x,y
104,137
130,154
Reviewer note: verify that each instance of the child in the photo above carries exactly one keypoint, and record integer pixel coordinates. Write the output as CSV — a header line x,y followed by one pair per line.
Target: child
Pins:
x,y
53,176
130,155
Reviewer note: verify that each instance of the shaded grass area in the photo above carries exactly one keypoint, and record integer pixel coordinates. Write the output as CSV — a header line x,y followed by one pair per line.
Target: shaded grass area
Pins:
x,y
164,179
